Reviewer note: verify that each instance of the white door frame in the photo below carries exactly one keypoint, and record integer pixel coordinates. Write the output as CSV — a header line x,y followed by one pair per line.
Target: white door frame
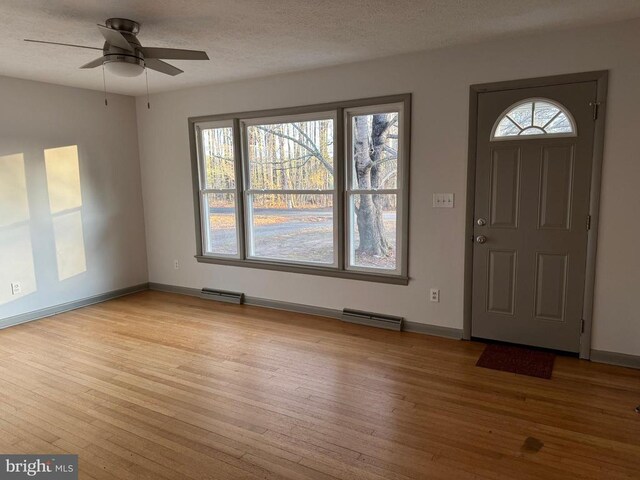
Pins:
x,y
601,79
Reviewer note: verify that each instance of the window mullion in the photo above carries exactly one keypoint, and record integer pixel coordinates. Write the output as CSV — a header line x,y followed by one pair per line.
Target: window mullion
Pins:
x,y
238,152
204,223
218,190
340,188
385,191
253,191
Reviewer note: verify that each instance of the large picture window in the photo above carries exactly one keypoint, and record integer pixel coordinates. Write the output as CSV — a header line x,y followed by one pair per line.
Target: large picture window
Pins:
x,y
319,189
290,196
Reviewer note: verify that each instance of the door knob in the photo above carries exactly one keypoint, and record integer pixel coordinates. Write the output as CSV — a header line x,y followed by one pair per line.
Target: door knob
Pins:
x,y
481,239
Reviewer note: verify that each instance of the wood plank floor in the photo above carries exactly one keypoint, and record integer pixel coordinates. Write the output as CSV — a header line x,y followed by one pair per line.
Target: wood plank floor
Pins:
x,y
163,386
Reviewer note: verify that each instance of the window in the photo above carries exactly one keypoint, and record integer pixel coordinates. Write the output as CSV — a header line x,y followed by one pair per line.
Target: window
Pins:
x,y
372,187
534,117
318,189
290,195
218,192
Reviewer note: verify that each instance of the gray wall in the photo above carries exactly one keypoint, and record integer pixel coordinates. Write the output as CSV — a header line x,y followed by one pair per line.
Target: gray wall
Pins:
x,y
440,83
63,241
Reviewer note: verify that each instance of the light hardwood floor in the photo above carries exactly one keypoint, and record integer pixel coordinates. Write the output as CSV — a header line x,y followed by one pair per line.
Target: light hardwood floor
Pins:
x,y
163,386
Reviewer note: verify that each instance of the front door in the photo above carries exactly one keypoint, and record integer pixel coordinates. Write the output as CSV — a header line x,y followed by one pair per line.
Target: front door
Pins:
x,y
533,176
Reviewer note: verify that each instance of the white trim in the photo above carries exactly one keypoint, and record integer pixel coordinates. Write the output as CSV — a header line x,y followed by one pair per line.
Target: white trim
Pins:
x,y
371,109
382,191
218,190
258,191
215,124
280,261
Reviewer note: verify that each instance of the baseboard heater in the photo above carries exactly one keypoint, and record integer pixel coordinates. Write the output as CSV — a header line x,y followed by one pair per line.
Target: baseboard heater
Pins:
x,y
222,295
371,319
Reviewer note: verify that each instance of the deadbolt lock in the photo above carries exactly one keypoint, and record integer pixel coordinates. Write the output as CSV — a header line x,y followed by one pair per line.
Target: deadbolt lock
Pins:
x,y
481,222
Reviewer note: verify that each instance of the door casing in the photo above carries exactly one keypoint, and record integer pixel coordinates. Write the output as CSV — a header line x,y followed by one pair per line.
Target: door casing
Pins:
x,y
601,79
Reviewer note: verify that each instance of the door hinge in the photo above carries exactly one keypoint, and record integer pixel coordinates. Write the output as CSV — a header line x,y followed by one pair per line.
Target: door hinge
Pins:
x,y
595,106
588,222
582,326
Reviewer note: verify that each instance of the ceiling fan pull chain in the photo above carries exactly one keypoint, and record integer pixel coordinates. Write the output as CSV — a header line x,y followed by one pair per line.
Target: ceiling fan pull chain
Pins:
x,y
104,85
146,74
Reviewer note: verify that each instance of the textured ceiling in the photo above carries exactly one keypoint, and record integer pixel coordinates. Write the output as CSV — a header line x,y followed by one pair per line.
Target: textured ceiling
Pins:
x,y
250,38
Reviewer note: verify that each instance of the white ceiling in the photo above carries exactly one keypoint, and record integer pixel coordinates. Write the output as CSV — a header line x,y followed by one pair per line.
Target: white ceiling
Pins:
x,y
250,38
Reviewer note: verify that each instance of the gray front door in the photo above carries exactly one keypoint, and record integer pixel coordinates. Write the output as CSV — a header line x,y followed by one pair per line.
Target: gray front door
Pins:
x,y
533,175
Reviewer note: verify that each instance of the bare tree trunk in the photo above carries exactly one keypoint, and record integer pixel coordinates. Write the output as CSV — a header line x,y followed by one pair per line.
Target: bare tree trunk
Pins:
x,y
368,151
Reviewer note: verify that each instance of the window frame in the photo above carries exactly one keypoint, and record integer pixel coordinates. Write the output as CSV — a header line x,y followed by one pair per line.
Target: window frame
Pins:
x,y
350,190
338,111
203,191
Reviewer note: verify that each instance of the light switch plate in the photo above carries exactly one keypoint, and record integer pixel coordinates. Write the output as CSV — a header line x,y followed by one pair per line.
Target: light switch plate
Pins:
x,y
16,288
443,200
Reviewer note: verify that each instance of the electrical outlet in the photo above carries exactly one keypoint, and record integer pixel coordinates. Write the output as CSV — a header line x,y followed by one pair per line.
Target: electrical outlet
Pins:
x,y
176,264
16,288
435,295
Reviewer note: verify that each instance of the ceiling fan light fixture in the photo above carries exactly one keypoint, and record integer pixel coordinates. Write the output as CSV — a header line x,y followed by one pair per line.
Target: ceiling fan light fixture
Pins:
x,y
124,56
124,66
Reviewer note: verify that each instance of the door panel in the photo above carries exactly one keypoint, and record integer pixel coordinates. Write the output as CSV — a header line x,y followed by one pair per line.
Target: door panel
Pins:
x,y
502,281
555,187
531,205
505,186
551,283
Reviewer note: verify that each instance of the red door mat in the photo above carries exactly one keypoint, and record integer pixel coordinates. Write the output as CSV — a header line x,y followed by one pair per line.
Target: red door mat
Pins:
x,y
523,361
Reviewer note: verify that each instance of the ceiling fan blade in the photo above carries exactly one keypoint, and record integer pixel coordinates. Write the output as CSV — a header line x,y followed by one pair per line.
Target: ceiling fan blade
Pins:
x,y
58,43
115,38
162,67
174,53
93,63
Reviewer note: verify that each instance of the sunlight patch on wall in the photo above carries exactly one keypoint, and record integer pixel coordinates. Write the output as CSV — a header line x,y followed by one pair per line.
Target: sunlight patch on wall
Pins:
x,y
16,253
67,231
14,204
65,203
63,178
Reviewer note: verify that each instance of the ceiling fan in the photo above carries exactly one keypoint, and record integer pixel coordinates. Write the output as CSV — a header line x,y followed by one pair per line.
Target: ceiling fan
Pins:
x,y
123,55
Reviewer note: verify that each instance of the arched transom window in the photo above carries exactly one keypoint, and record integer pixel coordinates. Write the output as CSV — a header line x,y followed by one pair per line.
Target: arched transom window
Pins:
x,y
534,116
